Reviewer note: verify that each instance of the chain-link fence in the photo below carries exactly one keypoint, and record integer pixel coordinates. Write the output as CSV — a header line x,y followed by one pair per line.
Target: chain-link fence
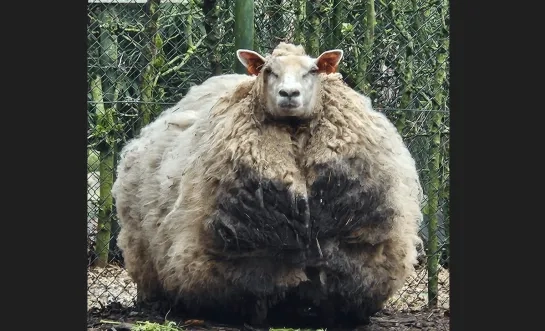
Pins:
x,y
143,56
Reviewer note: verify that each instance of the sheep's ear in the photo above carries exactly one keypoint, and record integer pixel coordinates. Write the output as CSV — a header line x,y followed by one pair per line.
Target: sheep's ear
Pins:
x,y
328,61
251,60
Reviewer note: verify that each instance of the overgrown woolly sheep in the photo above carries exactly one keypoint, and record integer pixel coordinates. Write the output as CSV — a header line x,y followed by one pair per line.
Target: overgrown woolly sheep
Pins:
x,y
282,187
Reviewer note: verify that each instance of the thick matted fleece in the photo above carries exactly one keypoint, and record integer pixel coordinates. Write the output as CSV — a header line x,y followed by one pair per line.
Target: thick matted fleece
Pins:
x,y
113,284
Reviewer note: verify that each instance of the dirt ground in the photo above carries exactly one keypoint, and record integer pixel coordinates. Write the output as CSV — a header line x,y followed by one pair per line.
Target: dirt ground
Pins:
x,y
115,317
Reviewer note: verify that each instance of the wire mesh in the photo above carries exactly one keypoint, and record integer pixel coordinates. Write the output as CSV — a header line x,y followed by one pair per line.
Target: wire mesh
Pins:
x,y
144,55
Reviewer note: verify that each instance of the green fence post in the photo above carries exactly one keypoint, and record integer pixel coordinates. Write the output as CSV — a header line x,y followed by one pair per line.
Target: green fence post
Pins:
x,y
244,29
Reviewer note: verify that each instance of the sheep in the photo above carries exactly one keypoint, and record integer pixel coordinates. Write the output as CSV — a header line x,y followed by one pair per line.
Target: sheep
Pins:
x,y
285,187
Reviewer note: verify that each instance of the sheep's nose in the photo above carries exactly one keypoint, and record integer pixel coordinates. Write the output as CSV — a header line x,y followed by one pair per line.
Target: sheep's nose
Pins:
x,y
289,93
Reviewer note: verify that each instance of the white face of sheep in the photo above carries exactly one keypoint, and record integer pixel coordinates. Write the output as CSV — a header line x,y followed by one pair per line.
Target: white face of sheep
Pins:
x,y
291,81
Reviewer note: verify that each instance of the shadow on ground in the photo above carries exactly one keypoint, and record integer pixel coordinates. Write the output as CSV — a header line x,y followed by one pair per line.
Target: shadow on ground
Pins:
x,y
115,317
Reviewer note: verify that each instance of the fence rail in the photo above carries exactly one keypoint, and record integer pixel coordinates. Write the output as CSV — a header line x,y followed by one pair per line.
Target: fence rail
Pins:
x,y
144,55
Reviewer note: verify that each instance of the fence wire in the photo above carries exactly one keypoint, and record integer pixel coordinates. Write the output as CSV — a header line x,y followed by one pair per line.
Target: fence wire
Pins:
x,y
144,55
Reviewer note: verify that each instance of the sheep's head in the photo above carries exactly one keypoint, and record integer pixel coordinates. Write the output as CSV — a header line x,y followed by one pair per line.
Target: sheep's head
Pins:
x,y
291,82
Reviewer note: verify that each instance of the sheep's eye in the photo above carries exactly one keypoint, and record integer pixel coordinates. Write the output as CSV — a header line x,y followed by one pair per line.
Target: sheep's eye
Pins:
x,y
312,71
269,71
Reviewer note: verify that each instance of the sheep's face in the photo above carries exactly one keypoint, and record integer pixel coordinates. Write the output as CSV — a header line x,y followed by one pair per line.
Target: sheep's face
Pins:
x,y
291,82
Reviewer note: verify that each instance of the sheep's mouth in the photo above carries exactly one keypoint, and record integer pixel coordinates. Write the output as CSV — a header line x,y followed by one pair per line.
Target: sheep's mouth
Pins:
x,y
289,105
